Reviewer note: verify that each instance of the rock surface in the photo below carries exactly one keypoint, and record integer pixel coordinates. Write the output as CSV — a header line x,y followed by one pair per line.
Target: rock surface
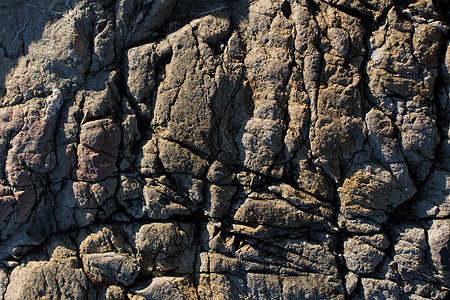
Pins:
x,y
187,149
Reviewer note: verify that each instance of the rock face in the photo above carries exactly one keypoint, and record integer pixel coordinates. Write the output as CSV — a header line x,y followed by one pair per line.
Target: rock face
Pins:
x,y
187,149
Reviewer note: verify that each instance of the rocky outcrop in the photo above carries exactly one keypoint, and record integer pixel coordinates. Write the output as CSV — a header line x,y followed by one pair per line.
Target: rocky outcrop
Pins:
x,y
175,149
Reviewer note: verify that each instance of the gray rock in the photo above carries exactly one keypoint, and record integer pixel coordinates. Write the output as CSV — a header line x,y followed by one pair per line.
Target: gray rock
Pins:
x,y
379,289
361,258
60,277
140,71
438,236
434,199
110,268
165,247
190,149
178,288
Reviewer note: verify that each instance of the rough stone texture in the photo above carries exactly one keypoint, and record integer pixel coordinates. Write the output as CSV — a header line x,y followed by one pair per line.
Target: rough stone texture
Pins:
x,y
188,149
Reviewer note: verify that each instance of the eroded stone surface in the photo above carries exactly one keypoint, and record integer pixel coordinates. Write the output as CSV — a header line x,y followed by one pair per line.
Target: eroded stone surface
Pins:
x,y
224,149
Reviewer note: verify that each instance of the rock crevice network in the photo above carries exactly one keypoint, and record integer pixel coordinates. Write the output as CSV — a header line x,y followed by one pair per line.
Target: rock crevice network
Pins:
x,y
189,149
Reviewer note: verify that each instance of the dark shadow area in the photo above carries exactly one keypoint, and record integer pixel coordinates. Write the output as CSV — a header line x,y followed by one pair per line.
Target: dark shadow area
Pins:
x,y
183,12
192,9
22,23
443,7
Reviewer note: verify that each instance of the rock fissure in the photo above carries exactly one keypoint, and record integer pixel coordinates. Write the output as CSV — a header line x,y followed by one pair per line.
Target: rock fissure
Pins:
x,y
224,150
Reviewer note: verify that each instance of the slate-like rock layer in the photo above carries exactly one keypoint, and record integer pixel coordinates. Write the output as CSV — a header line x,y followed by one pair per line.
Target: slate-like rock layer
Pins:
x,y
175,149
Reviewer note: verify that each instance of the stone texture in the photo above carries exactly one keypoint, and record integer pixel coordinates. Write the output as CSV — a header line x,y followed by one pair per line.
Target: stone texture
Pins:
x,y
224,149
60,277
169,288
439,247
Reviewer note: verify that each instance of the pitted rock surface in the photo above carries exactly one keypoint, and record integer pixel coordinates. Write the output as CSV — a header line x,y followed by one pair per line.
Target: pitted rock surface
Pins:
x,y
188,149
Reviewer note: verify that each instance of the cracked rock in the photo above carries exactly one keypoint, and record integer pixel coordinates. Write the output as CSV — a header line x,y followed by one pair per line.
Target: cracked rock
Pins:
x,y
190,149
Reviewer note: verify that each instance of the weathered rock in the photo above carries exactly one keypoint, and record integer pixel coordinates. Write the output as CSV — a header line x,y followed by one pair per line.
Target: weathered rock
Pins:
x,y
165,247
405,97
169,288
379,289
156,149
98,150
115,292
110,268
434,199
438,236
178,159
61,277
4,280
274,213
367,197
361,258
107,258
411,254
311,286
140,71
132,27
219,200
162,203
